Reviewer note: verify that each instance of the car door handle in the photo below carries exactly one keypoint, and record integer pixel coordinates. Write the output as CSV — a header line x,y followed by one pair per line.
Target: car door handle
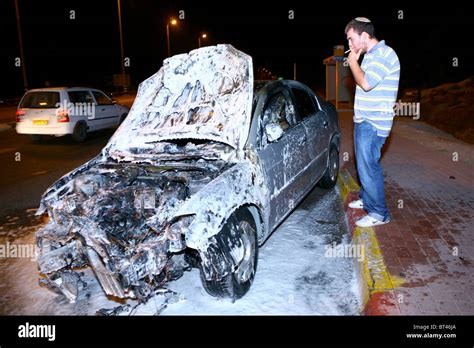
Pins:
x,y
103,109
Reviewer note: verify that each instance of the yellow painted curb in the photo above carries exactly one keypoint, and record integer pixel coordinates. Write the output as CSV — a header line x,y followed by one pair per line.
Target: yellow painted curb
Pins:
x,y
372,271
346,184
375,271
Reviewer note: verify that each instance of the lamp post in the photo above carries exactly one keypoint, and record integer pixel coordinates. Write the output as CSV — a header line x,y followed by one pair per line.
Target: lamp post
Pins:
x,y
22,56
121,47
172,22
199,39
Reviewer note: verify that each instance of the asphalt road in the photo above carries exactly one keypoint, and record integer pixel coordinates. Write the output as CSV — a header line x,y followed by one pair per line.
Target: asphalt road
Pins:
x,y
28,168
317,285
295,275
7,114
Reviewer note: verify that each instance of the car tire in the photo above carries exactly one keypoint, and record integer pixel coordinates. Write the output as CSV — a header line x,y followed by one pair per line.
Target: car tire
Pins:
x,y
329,178
80,132
237,284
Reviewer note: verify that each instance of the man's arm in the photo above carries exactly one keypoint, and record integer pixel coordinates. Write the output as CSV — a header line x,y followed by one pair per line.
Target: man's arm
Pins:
x,y
357,72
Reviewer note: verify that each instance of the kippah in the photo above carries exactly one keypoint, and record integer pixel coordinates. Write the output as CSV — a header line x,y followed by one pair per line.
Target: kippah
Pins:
x,y
363,19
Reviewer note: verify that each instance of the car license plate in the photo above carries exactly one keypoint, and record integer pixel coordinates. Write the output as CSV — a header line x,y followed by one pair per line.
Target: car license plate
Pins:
x,y
40,121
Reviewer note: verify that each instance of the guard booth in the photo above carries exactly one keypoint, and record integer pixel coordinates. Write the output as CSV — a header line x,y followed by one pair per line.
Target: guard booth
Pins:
x,y
123,81
340,84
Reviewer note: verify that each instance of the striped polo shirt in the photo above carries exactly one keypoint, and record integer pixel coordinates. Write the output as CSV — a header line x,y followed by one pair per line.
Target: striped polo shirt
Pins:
x,y
382,72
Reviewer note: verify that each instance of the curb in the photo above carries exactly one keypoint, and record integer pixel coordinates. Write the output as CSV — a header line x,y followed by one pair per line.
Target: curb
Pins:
x,y
376,284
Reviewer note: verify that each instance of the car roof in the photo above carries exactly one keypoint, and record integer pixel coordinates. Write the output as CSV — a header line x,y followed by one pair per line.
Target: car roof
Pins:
x,y
56,89
272,84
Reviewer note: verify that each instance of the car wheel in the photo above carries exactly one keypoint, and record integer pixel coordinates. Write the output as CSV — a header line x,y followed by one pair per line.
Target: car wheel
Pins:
x,y
236,284
329,178
80,132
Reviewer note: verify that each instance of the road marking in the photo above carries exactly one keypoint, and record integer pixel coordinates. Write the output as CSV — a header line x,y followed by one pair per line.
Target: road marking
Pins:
x,y
8,149
41,172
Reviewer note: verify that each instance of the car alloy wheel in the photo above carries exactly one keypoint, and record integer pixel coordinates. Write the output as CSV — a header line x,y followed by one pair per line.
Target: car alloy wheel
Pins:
x,y
329,178
237,283
333,164
246,268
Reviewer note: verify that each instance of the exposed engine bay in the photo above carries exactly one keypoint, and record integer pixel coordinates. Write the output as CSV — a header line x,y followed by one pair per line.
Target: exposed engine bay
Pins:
x,y
119,218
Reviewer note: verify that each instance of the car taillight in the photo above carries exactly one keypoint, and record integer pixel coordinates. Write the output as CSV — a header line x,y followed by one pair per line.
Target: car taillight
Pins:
x,y
63,116
19,113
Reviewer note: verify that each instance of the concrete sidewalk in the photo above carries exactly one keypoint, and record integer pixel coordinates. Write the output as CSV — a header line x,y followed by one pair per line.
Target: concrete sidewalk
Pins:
x,y
428,248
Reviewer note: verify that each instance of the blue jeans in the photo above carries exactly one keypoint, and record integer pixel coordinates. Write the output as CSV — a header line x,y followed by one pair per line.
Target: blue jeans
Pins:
x,y
367,146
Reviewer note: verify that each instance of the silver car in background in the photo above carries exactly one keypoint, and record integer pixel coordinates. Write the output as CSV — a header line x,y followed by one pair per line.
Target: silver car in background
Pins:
x,y
207,164
61,111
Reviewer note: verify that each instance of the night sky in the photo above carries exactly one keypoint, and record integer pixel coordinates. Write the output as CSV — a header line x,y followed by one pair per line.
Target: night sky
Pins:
x,y
86,50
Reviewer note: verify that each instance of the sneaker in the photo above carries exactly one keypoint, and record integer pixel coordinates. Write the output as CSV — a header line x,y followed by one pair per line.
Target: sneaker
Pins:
x,y
368,221
356,204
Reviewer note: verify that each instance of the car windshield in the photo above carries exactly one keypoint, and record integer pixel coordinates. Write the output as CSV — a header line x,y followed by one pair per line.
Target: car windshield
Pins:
x,y
40,100
177,148
257,87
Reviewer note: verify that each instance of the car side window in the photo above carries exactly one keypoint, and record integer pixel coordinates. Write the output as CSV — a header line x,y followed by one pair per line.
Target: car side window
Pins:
x,y
278,115
304,102
76,97
101,98
275,111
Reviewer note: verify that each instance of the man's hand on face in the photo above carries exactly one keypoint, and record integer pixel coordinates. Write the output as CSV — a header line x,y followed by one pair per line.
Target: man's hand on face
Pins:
x,y
354,55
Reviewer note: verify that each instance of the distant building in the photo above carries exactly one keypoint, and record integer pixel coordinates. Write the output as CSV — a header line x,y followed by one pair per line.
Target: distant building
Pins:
x,y
340,84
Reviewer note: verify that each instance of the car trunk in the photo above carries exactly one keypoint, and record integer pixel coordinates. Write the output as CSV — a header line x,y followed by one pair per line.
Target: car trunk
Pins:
x,y
40,109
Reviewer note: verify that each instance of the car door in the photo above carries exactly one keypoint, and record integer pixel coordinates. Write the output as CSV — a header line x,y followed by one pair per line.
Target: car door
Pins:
x,y
283,152
83,106
106,111
315,121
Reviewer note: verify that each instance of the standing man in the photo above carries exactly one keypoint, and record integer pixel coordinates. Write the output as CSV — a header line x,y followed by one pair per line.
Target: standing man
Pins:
x,y
376,92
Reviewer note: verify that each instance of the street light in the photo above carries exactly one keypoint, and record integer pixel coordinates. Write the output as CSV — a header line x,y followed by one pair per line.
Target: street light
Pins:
x,y
199,39
121,46
22,56
172,22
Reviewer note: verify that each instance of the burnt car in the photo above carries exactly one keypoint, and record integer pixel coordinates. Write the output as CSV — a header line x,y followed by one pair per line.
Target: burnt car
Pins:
x,y
206,165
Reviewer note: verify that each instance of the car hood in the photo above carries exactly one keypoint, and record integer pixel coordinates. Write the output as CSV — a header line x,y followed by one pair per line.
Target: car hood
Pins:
x,y
204,94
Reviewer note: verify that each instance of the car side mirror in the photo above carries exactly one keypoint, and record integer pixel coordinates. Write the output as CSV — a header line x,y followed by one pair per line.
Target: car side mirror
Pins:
x,y
273,131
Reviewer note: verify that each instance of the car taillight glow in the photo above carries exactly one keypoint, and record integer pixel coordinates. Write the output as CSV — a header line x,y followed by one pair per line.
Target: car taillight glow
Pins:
x,y
63,116
19,113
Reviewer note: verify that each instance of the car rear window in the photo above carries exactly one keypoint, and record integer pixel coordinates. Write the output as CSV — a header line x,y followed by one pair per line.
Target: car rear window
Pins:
x,y
80,97
40,100
304,102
